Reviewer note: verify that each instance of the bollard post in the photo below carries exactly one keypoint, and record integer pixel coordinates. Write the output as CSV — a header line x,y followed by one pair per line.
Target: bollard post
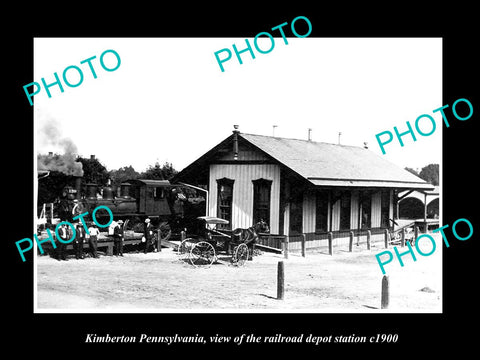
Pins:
x,y
330,243
280,281
159,241
303,245
369,236
385,292
415,230
350,243
403,237
386,238
285,247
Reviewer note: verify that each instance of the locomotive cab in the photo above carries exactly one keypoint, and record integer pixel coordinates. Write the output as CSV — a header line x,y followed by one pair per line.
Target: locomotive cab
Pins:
x,y
152,197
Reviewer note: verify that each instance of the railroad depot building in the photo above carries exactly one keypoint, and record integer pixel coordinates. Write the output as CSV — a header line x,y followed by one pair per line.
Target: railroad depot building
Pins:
x,y
300,187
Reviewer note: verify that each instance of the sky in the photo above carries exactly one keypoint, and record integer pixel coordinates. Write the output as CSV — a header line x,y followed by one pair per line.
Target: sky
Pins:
x,y
169,101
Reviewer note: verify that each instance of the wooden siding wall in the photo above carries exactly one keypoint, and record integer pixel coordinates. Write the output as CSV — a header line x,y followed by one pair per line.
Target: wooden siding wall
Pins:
x,y
309,211
244,154
336,216
242,203
354,210
376,209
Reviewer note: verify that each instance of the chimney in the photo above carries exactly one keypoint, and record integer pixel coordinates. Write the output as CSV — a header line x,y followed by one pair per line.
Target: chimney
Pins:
x,y
365,145
339,135
92,157
50,153
273,132
235,142
309,134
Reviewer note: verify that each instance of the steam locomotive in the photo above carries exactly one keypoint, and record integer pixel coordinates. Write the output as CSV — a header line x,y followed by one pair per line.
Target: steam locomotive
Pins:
x,y
168,206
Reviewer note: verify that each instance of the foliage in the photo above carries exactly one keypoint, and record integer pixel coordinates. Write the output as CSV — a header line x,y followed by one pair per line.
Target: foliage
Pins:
x,y
157,172
50,187
123,174
429,173
94,171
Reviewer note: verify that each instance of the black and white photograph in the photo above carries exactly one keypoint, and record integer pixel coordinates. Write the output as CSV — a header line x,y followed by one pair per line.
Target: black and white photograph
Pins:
x,y
212,178
225,182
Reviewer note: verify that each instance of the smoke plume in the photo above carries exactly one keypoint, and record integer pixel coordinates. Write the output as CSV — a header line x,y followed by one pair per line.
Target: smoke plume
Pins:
x,y
50,135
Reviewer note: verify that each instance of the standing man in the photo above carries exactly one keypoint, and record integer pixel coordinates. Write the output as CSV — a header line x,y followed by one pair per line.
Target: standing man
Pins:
x,y
92,240
78,242
148,231
65,234
118,239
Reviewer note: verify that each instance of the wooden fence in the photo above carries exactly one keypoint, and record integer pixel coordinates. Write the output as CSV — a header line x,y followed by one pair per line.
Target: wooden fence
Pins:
x,y
328,241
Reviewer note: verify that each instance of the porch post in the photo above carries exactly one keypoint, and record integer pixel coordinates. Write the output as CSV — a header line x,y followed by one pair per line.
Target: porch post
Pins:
x,y
425,213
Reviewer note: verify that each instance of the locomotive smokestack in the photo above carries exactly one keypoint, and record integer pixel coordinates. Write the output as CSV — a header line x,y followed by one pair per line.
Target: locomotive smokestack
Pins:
x,y
78,186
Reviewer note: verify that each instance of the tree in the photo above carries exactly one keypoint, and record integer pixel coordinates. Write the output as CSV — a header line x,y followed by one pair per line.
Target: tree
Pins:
x,y
157,172
94,171
123,174
50,187
431,174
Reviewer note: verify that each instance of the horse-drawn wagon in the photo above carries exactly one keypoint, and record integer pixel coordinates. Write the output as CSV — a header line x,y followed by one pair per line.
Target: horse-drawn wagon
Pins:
x,y
209,245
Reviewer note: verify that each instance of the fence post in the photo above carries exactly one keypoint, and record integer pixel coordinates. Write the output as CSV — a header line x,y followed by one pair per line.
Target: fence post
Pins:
x,y
385,292
403,237
330,243
350,243
159,240
386,238
369,235
280,281
285,247
303,245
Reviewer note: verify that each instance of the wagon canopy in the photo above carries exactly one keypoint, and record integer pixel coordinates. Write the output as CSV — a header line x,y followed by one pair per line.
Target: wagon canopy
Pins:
x,y
212,220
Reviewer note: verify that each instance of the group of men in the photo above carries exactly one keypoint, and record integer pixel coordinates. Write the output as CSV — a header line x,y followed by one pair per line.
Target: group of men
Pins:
x,y
81,236
65,232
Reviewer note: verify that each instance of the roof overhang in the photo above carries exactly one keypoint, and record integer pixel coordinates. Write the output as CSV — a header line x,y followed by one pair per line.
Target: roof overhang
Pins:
x,y
371,183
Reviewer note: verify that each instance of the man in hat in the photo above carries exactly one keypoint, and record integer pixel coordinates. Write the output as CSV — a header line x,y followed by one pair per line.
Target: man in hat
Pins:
x,y
65,234
78,242
93,238
118,239
148,234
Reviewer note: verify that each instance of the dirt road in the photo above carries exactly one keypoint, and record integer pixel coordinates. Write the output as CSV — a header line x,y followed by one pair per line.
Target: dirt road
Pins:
x,y
159,282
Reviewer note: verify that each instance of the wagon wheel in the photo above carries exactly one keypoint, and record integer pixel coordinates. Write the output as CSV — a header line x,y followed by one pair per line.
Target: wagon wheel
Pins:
x,y
240,255
202,254
183,250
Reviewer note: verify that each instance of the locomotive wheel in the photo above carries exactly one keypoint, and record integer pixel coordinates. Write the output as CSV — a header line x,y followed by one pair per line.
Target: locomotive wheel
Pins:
x,y
202,254
240,255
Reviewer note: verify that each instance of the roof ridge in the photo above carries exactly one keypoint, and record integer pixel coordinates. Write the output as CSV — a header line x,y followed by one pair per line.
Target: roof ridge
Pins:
x,y
304,140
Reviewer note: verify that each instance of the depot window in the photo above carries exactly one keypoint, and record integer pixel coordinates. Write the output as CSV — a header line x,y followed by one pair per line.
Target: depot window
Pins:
x,y
224,201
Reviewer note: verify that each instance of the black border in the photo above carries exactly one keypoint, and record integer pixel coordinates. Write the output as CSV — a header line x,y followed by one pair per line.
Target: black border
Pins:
x,y
56,333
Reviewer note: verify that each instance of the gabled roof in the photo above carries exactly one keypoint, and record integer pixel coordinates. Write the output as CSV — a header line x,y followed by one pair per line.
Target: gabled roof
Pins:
x,y
335,165
323,164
